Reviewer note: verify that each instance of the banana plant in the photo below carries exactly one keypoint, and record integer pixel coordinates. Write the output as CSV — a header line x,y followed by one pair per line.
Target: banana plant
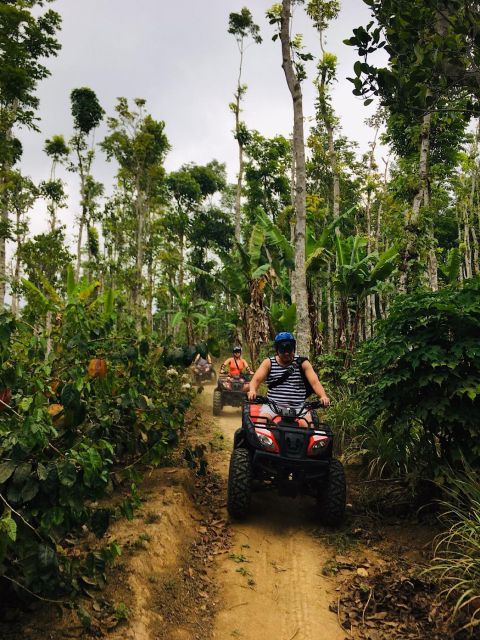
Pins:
x,y
358,274
187,311
449,271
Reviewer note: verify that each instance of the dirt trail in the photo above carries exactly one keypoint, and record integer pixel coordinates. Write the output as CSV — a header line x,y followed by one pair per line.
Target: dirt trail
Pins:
x,y
271,585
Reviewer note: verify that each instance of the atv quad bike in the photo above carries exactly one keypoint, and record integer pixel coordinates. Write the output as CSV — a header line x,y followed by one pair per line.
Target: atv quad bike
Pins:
x,y
203,373
278,453
230,392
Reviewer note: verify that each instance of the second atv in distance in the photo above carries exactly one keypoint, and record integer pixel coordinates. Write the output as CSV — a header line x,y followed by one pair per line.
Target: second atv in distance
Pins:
x,y
230,391
203,372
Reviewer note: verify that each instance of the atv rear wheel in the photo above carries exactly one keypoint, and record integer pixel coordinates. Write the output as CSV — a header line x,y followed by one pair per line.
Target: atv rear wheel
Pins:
x,y
239,484
217,402
332,496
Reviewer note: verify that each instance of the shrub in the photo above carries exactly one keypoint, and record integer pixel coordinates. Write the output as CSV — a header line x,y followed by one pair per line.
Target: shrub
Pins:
x,y
56,463
421,377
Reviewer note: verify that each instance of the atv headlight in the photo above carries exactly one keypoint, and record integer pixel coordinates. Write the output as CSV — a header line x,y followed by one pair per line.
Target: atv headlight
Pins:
x,y
267,440
317,443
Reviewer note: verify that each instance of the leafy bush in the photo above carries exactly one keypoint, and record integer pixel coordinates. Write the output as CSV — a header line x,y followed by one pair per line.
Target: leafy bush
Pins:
x,y
88,396
421,374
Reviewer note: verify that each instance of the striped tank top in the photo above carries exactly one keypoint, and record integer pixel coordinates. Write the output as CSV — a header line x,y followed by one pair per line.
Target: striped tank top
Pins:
x,y
290,393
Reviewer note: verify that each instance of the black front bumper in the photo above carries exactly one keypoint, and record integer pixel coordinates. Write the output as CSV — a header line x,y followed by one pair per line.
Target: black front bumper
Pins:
x,y
305,469
233,398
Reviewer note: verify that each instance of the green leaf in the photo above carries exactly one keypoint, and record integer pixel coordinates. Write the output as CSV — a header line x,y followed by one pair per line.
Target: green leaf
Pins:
x,y
46,556
70,282
6,470
260,271
257,238
36,293
42,472
8,526
22,472
67,473
29,490
70,397
25,404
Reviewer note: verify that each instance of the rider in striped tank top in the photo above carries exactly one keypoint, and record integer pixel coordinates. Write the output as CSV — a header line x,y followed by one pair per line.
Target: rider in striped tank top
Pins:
x,y
291,392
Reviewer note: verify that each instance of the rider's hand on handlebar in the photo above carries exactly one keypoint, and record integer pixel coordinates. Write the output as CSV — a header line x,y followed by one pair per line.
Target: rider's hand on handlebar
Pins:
x,y
251,395
325,400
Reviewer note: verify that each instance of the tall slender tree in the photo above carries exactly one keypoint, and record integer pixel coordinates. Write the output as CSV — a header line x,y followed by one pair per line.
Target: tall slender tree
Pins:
x,y
139,144
242,26
292,63
87,115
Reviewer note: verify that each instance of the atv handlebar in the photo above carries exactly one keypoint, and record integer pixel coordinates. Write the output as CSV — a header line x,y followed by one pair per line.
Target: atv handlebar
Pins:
x,y
306,406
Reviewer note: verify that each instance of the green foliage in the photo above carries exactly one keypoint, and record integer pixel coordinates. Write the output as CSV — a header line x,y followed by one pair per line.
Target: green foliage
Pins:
x,y
46,258
28,38
67,431
284,317
86,110
242,26
430,52
456,560
422,377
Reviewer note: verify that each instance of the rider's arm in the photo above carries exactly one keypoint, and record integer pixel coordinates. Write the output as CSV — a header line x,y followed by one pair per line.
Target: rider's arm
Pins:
x,y
225,365
247,367
260,375
315,382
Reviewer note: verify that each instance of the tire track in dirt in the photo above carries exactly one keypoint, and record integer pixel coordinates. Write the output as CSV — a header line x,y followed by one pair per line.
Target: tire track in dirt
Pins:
x,y
271,585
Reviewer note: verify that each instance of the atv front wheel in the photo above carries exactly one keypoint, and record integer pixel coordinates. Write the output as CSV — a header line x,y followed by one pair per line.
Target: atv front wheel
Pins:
x,y
239,484
332,496
217,402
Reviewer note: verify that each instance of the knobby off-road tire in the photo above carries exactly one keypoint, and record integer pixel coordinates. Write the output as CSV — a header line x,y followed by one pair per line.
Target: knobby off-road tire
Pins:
x,y
239,484
332,496
217,402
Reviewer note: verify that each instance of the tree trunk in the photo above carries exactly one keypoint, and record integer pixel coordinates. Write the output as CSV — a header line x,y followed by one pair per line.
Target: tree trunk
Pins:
x,y
238,197
149,309
16,271
301,297
83,217
412,222
256,324
292,223
313,315
334,168
476,266
139,257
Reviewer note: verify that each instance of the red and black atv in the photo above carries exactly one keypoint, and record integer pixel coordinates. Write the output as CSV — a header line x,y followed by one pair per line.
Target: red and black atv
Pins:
x,y
230,391
278,453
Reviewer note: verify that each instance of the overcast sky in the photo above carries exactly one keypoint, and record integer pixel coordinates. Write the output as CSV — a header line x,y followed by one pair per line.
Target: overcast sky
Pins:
x,y
179,56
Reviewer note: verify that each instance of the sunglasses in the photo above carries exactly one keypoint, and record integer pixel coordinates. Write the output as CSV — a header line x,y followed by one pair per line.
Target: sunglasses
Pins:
x,y
286,347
